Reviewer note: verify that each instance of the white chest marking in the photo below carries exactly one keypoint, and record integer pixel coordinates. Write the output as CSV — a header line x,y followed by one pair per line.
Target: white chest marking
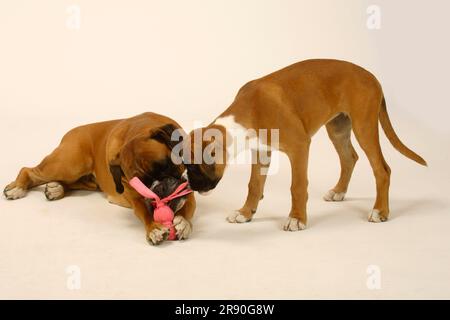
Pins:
x,y
242,138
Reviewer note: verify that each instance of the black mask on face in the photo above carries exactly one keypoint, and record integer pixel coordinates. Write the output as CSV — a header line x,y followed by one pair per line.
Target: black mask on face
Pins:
x,y
164,188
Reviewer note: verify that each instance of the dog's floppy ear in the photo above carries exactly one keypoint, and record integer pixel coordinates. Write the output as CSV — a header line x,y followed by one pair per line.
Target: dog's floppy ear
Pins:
x,y
117,174
164,135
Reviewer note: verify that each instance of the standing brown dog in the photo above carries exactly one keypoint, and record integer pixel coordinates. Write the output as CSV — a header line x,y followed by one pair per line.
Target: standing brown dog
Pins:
x,y
298,100
105,156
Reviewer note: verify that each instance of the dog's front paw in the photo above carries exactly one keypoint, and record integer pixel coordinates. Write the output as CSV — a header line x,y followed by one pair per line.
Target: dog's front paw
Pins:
x,y
12,192
157,235
183,227
293,224
376,216
237,217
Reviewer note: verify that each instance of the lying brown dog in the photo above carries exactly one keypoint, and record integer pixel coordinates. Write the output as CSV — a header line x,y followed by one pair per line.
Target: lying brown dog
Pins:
x,y
298,100
105,156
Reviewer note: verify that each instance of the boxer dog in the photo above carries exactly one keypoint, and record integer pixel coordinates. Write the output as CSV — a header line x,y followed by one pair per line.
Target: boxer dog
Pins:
x,y
297,101
104,156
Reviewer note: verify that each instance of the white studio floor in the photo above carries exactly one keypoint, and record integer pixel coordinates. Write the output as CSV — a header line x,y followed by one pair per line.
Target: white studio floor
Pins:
x,y
41,240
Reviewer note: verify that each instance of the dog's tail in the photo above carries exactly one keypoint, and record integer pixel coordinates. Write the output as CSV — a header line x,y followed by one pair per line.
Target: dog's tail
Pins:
x,y
394,139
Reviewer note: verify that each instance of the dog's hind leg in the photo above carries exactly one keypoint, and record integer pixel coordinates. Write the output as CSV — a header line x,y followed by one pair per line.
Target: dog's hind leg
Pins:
x,y
255,188
339,131
366,132
64,166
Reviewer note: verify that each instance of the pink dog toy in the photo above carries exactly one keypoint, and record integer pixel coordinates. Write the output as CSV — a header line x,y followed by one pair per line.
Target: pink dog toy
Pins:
x,y
162,213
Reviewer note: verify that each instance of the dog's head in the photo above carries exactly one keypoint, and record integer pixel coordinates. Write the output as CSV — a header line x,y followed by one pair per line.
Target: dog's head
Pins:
x,y
148,157
207,159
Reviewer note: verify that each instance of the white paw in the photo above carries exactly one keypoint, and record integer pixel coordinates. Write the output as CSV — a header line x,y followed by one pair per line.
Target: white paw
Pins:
x,y
156,236
375,216
183,227
14,193
293,224
54,191
334,196
237,217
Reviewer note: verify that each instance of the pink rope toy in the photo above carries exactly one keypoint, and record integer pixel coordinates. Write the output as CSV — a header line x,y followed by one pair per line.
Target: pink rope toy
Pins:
x,y
163,213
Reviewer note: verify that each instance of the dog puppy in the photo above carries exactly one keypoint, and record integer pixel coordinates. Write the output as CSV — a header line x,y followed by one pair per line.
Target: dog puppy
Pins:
x,y
297,101
105,156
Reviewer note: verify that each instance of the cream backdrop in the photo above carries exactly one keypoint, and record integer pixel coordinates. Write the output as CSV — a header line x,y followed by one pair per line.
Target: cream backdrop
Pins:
x,y
187,59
